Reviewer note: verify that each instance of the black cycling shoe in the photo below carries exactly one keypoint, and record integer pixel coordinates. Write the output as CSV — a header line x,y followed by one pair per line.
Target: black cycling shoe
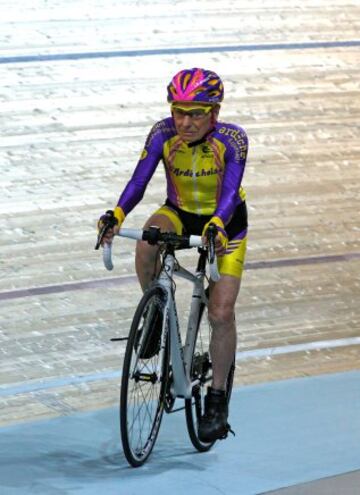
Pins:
x,y
213,424
153,321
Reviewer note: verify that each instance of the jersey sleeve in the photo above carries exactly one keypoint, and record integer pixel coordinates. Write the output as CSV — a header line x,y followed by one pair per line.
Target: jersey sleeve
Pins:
x,y
236,143
145,168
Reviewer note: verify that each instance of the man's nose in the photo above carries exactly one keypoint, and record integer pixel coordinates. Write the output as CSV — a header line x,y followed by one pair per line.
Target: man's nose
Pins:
x,y
187,121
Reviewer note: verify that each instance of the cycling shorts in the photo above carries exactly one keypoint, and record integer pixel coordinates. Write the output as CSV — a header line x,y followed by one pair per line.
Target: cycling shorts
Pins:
x,y
232,262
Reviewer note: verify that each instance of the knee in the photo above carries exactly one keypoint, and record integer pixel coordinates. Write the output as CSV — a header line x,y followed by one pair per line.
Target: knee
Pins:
x,y
221,315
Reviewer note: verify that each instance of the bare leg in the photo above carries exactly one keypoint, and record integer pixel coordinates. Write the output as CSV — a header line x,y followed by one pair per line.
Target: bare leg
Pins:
x,y
223,295
147,257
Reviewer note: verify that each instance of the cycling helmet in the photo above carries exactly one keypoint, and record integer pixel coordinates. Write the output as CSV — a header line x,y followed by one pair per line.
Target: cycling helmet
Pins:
x,y
196,84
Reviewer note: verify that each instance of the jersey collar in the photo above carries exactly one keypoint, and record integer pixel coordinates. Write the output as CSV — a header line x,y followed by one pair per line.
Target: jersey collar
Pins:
x,y
202,140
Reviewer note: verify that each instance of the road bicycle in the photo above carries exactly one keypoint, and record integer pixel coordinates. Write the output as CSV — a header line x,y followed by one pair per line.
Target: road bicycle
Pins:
x,y
158,367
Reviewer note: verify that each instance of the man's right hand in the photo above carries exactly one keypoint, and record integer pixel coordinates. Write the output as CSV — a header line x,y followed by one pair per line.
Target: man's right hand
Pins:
x,y
109,235
109,225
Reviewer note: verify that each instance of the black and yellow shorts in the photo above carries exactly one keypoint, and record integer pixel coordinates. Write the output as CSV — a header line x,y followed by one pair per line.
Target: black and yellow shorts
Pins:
x,y
232,262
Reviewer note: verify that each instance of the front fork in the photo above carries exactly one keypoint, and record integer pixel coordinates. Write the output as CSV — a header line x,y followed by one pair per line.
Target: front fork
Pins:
x,y
197,306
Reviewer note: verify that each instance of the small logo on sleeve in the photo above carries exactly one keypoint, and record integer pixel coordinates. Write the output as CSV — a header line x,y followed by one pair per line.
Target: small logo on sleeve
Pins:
x,y
144,154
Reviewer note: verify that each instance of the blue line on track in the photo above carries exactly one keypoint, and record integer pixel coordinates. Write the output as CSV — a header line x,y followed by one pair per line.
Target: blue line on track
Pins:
x,y
36,386
51,57
39,385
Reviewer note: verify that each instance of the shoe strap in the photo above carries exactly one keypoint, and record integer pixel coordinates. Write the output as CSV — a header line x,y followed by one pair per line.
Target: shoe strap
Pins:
x,y
216,393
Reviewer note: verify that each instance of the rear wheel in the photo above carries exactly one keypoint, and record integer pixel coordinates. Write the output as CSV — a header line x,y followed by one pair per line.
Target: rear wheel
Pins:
x,y
201,369
144,378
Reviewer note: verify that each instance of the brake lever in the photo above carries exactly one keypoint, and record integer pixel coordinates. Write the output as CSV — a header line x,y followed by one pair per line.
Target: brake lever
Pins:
x,y
211,234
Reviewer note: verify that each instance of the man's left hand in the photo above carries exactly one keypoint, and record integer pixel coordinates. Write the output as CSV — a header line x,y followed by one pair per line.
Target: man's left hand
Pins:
x,y
221,240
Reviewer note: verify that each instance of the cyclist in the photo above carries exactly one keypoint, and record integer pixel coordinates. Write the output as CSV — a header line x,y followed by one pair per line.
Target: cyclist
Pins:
x,y
204,161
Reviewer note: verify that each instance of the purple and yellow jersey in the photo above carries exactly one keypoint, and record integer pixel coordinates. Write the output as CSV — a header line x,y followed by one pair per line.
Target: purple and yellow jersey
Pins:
x,y
202,177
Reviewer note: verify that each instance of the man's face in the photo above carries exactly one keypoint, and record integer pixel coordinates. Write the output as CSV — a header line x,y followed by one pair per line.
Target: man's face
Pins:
x,y
193,120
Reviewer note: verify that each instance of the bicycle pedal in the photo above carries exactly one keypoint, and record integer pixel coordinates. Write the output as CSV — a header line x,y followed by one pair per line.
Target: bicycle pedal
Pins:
x,y
228,430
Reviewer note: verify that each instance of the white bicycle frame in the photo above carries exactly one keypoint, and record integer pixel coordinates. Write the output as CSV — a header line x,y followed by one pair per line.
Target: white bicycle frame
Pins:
x,y
181,357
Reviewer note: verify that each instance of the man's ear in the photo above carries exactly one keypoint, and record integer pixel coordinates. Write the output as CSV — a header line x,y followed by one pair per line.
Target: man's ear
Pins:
x,y
215,113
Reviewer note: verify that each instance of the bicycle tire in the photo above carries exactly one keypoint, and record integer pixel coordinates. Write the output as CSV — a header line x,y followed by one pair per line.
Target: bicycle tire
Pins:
x,y
142,386
201,368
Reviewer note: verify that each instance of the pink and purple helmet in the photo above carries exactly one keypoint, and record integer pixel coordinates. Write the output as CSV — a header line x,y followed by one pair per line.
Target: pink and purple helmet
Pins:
x,y
196,85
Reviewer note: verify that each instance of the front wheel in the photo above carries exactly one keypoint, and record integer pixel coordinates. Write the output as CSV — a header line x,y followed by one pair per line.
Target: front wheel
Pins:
x,y
144,378
201,370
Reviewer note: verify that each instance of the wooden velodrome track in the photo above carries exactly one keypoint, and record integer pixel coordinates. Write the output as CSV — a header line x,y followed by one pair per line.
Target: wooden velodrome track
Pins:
x,y
72,129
